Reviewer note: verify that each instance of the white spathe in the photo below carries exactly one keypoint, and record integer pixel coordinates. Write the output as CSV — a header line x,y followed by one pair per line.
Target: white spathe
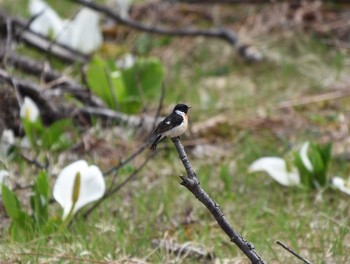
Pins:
x,y
6,141
47,20
341,184
82,33
123,7
29,110
304,157
277,169
92,186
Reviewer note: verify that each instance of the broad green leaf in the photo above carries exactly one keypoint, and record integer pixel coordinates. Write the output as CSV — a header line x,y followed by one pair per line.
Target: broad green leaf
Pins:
x,y
54,137
305,175
143,79
33,131
11,203
106,81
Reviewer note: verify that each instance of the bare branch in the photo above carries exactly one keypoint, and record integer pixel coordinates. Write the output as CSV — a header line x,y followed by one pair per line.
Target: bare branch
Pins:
x,y
191,182
293,252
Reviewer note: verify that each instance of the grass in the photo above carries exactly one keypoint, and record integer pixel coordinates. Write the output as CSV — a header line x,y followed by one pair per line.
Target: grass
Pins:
x,y
156,206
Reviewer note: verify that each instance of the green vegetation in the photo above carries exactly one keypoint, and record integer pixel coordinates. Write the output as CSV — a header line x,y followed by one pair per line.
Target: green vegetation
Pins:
x,y
211,79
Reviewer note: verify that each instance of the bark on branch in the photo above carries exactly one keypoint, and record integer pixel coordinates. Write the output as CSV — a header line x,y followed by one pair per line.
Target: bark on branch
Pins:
x,y
192,183
227,35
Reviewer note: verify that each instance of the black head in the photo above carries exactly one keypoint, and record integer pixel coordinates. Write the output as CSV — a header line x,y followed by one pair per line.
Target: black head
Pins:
x,y
181,107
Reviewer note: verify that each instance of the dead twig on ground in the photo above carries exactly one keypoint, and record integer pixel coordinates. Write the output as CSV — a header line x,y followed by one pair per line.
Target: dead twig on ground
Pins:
x,y
192,183
54,78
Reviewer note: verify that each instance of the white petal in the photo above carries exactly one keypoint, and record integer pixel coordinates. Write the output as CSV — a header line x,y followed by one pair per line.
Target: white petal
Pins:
x,y
123,7
6,141
86,34
29,110
277,169
304,157
340,184
47,21
92,186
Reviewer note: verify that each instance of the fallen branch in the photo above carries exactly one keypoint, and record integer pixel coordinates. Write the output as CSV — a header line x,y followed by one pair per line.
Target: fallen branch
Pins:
x,y
145,121
192,183
221,33
58,81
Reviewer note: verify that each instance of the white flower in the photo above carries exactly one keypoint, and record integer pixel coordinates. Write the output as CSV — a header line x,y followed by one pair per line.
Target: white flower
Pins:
x,y
6,141
341,184
47,20
277,169
29,110
91,186
304,157
3,174
82,33
123,7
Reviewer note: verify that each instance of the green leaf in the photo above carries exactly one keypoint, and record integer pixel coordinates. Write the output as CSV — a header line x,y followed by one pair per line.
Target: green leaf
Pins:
x,y
11,203
106,81
33,131
305,175
144,78
40,199
22,229
55,138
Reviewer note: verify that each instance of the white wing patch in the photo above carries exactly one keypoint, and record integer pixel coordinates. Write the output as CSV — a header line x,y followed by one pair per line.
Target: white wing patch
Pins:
x,y
167,122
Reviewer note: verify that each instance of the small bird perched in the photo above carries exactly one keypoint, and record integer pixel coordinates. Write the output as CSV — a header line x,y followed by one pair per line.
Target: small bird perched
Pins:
x,y
172,126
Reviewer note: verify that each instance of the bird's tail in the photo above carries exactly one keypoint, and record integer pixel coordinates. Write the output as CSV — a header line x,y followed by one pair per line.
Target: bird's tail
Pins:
x,y
156,141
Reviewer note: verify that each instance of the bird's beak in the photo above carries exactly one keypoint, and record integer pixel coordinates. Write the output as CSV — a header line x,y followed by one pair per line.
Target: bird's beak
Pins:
x,y
189,107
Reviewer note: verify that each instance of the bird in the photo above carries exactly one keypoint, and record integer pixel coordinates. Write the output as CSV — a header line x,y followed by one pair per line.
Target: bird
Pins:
x,y
172,126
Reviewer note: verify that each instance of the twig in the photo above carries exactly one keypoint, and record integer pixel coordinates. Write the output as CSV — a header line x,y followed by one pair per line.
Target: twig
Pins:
x,y
293,252
191,182
145,121
35,162
221,33
118,187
